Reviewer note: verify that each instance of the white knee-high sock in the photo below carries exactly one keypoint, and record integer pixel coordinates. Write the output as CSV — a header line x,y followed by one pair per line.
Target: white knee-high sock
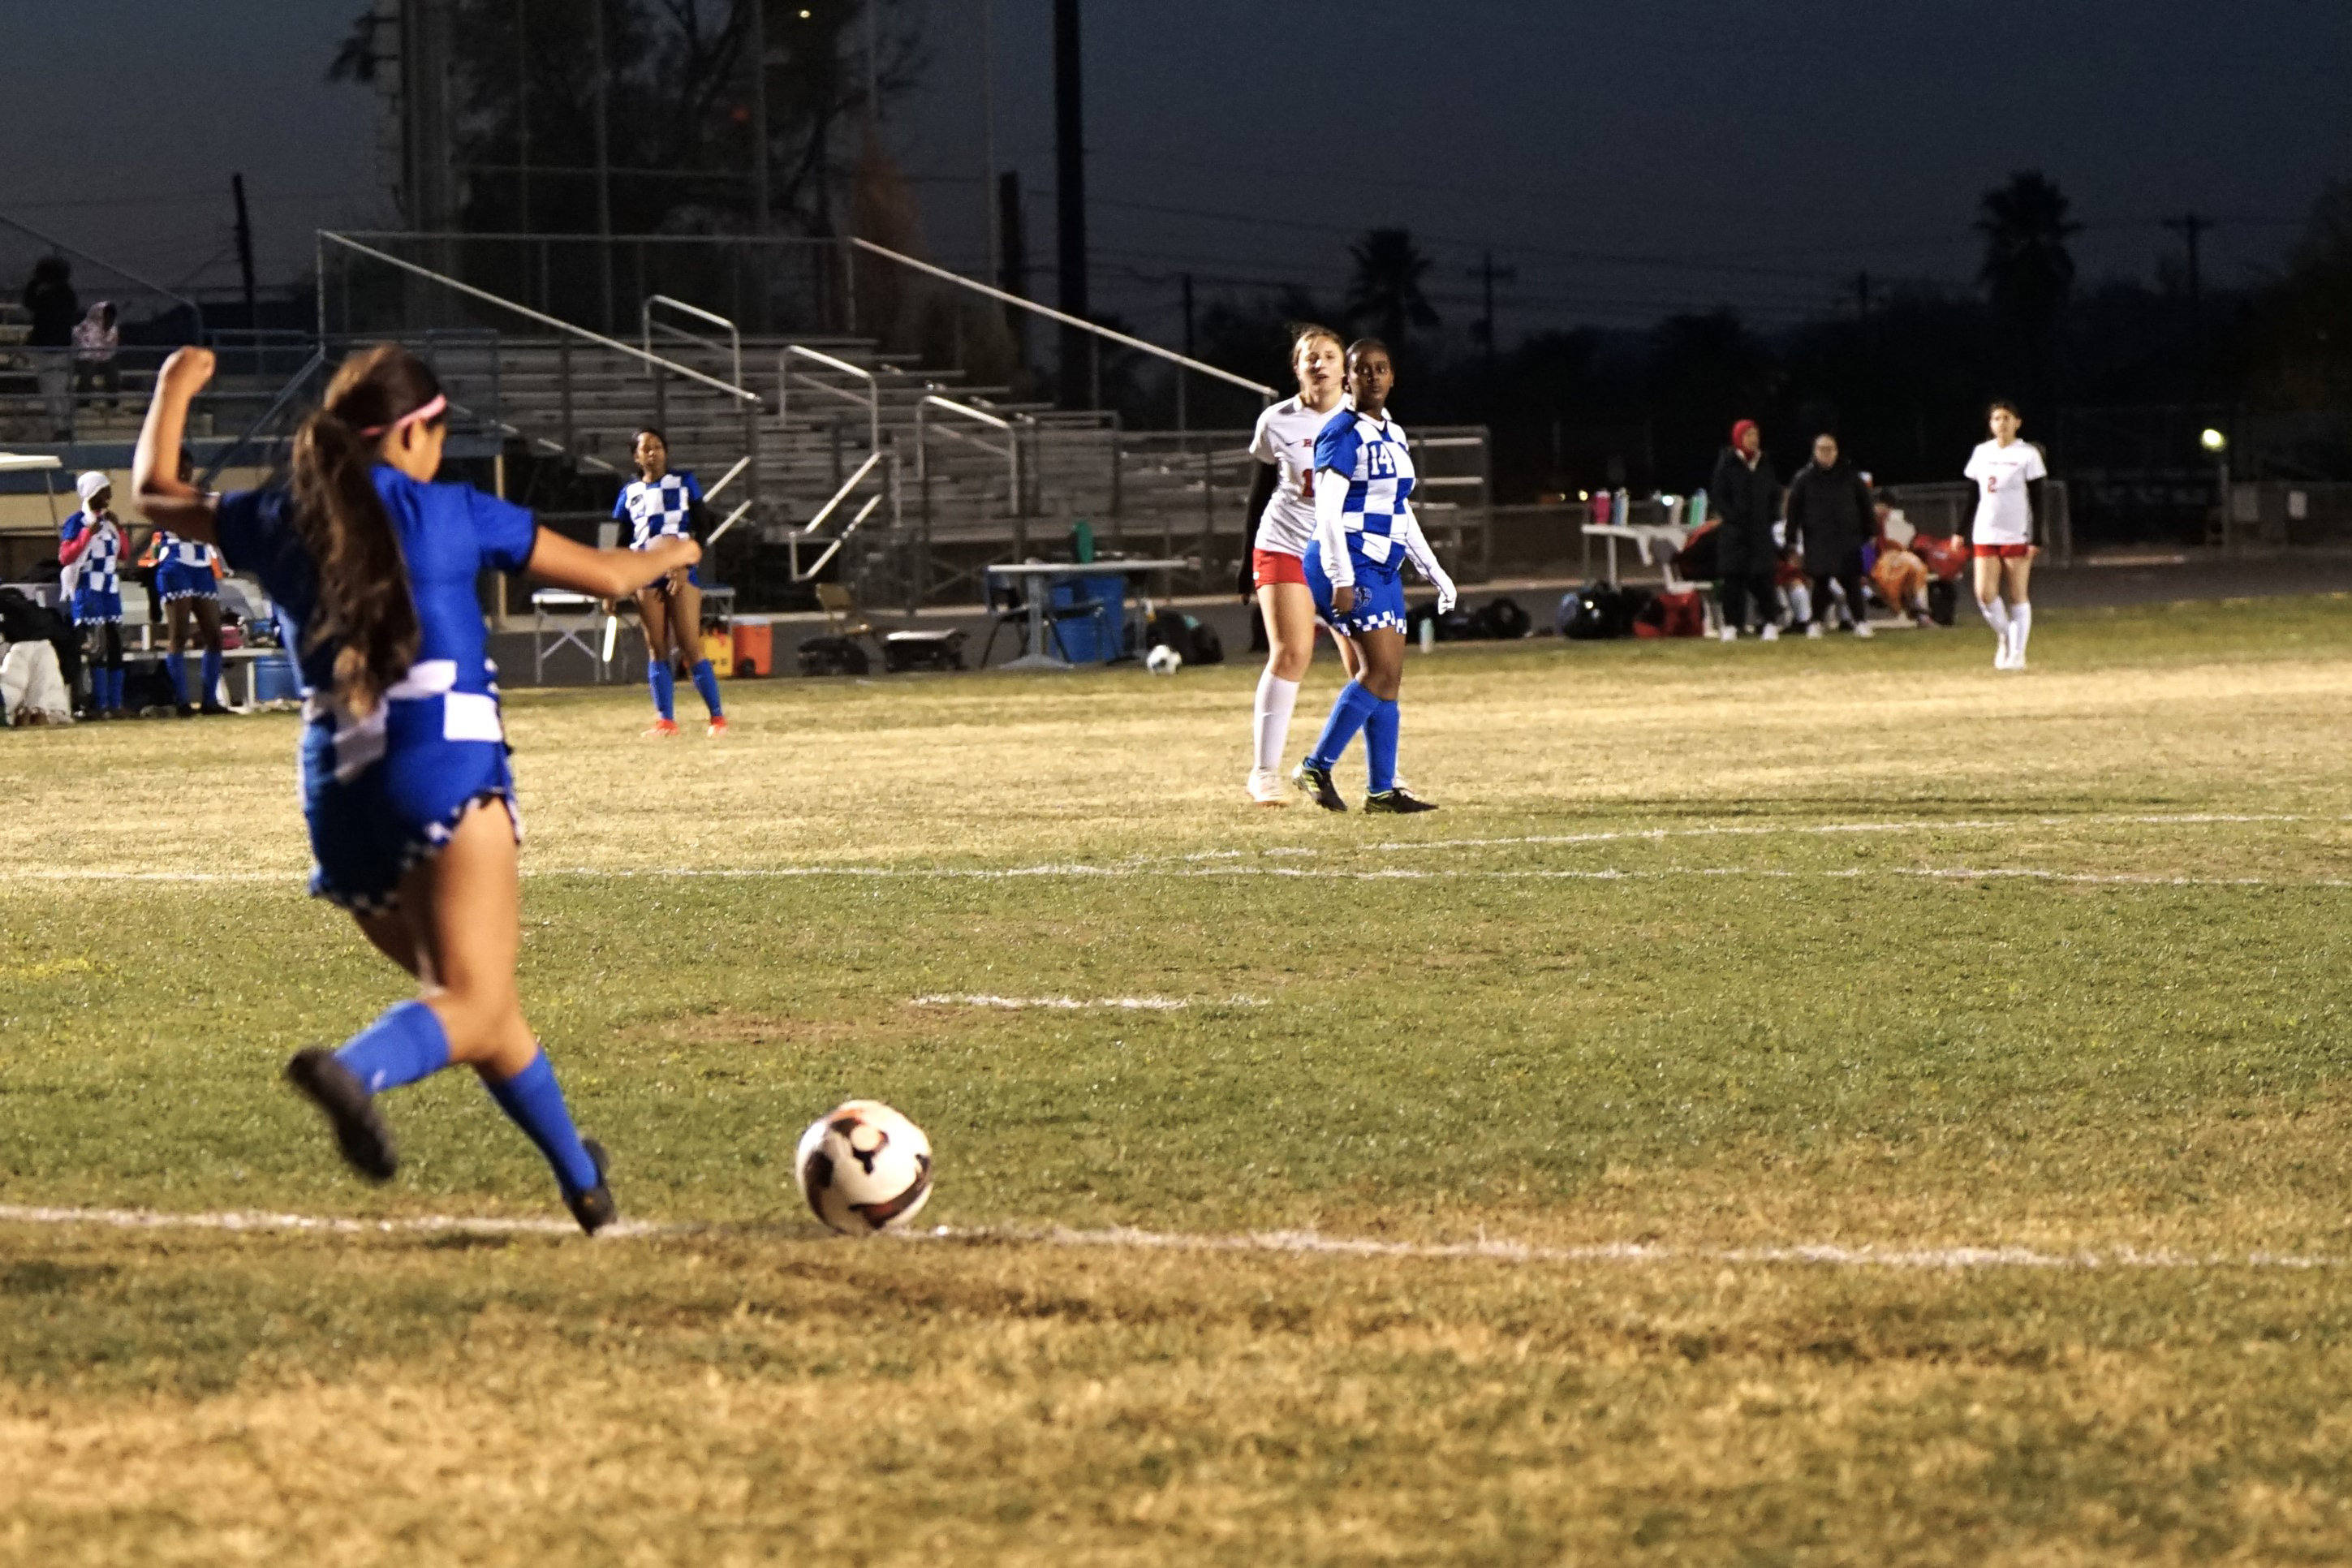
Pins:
x,y
2021,626
1996,615
1275,698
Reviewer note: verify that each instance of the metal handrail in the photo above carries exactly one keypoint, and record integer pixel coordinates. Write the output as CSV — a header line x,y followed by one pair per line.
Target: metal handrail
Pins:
x,y
1011,443
803,574
740,394
728,478
873,398
195,310
734,338
848,484
1170,355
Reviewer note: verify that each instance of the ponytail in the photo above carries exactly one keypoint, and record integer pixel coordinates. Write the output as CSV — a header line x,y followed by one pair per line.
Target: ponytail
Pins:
x,y
364,602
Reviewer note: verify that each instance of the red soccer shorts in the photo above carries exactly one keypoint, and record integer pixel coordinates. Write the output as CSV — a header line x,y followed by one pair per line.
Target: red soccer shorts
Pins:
x,y
2003,551
1274,566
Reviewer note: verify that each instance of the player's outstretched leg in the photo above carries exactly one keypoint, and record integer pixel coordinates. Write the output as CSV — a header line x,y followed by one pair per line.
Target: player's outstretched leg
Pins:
x,y
458,929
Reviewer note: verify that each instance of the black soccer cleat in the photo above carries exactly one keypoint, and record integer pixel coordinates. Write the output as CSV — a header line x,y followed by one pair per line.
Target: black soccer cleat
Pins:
x,y
1314,781
350,1109
594,1209
1399,802
213,711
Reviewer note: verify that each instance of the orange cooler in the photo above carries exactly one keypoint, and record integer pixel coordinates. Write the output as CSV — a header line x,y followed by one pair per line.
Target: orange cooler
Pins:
x,y
754,648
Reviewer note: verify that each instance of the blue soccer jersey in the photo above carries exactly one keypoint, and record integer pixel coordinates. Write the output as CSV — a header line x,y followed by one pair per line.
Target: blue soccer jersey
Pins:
x,y
383,788
658,509
1372,509
184,567
96,575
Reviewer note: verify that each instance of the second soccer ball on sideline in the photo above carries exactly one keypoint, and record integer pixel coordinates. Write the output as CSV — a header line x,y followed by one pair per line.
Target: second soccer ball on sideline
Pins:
x,y
1163,659
863,1167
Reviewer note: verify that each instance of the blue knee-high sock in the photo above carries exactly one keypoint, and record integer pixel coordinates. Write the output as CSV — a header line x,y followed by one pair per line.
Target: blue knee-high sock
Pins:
x,y
535,1103
1381,746
665,687
212,676
706,681
177,664
1349,712
406,1044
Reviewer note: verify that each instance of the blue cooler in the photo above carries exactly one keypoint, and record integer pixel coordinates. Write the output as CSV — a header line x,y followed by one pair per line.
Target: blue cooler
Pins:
x,y
273,678
1086,639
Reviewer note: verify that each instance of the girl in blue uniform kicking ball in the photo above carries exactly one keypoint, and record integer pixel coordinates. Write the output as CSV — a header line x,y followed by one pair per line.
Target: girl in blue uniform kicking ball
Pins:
x,y
1364,528
403,757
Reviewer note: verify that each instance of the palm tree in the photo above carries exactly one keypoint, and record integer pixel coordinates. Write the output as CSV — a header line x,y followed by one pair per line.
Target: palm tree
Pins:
x,y
2026,272
1386,289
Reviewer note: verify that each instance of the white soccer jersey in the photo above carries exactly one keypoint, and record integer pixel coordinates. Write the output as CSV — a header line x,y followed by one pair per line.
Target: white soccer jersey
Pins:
x,y
2003,514
1285,438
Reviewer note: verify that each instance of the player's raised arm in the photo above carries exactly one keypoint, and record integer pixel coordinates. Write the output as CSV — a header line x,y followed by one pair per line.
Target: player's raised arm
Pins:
x,y
607,574
162,496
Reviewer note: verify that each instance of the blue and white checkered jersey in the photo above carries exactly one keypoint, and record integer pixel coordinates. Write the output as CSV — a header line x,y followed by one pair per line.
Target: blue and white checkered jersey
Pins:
x,y
658,509
170,550
96,572
1363,516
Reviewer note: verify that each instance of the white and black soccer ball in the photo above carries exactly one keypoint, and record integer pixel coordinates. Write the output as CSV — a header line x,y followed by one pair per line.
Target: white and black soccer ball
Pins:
x,y
1163,659
863,1167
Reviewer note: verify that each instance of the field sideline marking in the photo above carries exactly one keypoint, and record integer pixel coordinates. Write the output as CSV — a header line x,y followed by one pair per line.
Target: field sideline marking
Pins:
x,y
1077,1004
1291,1241
1145,867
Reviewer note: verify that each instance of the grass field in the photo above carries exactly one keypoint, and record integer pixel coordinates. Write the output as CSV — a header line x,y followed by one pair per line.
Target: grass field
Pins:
x,y
1914,1101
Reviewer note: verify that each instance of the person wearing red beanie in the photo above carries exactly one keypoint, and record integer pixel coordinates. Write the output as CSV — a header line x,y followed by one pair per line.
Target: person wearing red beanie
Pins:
x,y
1746,494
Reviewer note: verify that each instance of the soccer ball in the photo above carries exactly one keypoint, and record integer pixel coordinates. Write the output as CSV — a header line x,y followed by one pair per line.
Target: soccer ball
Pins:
x,y
1163,659
863,1167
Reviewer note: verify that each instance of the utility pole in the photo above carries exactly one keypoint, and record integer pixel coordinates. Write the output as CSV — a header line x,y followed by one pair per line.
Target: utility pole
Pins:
x,y
1070,197
988,138
2191,227
1180,372
245,251
760,214
872,66
1012,260
1488,274
523,117
603,154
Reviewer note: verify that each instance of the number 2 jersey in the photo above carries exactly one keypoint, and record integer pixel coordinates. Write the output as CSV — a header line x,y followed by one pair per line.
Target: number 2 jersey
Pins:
x,y
1285,438
2005,511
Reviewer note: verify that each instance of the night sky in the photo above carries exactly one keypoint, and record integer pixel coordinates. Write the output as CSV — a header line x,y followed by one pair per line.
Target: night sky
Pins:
x,y
1628,159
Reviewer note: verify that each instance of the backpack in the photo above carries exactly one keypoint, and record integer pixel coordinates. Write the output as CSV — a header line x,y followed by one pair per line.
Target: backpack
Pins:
x,y
1195,640
1503,621
833,656
1597,611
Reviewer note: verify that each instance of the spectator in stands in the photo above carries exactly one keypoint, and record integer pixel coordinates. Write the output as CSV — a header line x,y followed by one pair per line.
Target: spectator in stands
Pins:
x,y
95,340
49,300
1746,494
1829,518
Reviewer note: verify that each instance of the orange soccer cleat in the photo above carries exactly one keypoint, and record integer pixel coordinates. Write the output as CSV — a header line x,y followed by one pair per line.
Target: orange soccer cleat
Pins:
x,y
717,727
663,729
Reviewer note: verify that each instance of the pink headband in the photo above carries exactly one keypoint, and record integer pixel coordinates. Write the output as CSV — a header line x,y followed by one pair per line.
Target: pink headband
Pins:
x,y
422,411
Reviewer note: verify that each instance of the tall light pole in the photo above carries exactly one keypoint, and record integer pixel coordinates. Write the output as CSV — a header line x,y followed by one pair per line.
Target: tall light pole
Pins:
x,y
2215,442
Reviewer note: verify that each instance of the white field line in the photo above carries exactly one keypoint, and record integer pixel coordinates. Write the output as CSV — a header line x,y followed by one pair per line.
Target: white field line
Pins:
x,y
1082,1004
1151,867
1283,1242
1328,874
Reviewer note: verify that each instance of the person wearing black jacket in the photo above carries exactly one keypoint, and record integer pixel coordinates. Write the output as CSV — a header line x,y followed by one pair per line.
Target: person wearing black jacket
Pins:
x,y
49,300
1746,494
1830,517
